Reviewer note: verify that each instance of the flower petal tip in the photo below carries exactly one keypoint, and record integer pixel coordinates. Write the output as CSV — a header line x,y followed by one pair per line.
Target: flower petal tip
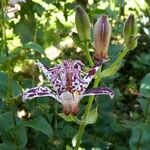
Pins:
x,y
111,95
24,98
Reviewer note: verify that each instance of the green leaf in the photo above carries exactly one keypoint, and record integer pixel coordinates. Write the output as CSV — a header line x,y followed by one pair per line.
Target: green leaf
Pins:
x,y
144,104
145,86
76,39
74,139
141,131
6,121
15,137
91,117
68,148
69,118
35,46
8,87
4,146
41,125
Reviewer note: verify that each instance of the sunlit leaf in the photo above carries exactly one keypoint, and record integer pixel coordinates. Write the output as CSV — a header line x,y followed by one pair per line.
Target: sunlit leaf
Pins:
x,y
35,46
68,148
74,139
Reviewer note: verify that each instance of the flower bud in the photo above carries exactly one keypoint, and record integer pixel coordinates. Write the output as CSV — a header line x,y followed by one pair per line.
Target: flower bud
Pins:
x,y
82,22
130,32
102,33
130,27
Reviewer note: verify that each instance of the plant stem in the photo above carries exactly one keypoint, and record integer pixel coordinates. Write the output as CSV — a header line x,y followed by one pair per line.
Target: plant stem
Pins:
x,y
55,117
4,40
79,135
83,124
34,56
121,56
88,54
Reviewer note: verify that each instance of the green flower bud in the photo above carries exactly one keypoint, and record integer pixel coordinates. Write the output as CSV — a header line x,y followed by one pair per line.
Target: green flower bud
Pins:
x,y
131,43
130,32
82,22
102,33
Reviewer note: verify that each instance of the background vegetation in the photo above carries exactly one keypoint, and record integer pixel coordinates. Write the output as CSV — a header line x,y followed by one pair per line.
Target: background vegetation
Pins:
x,y
41,30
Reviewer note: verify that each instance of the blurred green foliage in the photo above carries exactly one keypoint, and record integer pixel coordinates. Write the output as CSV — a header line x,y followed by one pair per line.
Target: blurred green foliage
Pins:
x,y
41,30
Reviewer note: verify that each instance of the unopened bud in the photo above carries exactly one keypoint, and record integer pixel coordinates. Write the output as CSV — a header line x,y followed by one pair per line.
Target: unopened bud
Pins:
x,y
82,22
130,32
102,33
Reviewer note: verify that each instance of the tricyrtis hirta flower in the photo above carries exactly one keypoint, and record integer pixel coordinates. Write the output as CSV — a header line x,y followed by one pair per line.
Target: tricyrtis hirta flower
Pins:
x,y
69,84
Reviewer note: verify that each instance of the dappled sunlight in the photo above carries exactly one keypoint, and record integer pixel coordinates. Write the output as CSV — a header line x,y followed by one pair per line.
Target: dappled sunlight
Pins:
x,y
52,52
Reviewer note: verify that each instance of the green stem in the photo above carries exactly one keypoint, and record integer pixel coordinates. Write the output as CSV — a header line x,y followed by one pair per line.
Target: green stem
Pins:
x,y
4,40
79,135
55,117
83,124
88,54
90,100
34,55
121,56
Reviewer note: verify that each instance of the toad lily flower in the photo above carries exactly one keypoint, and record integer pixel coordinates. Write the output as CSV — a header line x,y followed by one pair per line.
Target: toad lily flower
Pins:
x,y
69,85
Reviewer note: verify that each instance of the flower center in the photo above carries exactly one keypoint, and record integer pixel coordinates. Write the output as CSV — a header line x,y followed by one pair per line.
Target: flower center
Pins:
x,y
69,82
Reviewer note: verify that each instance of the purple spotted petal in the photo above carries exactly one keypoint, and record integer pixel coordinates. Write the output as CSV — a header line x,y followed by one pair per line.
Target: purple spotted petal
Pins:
x,y
89,76
99,91
50,73
38,92
53,75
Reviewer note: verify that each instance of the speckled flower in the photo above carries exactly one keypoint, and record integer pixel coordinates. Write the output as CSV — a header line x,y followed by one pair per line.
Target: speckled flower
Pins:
x,y
69,84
